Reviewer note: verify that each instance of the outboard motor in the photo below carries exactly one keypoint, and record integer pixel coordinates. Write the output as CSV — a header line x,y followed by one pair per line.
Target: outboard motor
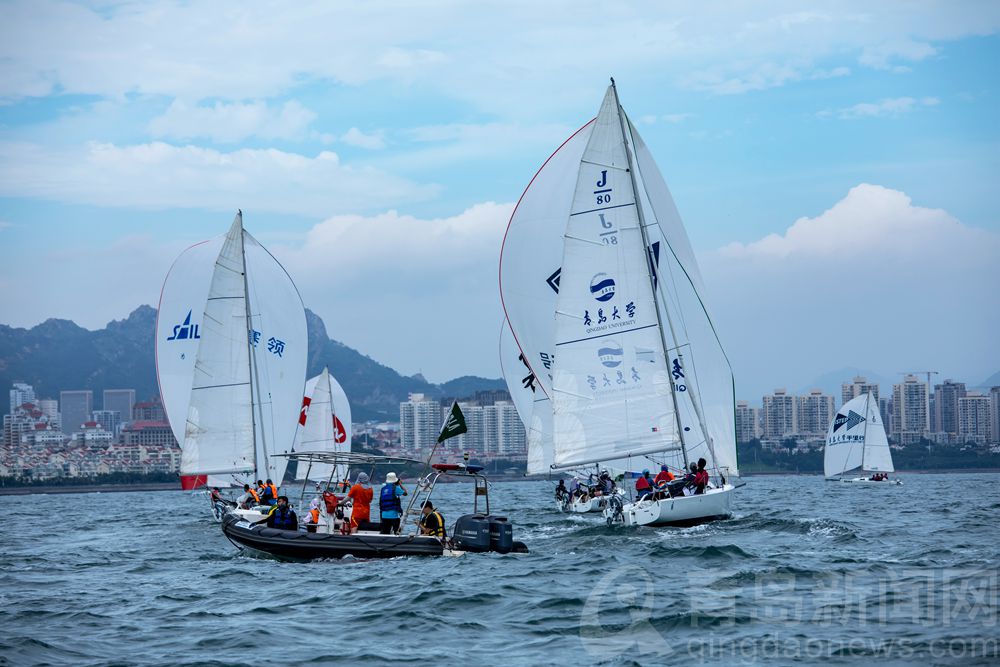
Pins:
x,y
501,534
472,533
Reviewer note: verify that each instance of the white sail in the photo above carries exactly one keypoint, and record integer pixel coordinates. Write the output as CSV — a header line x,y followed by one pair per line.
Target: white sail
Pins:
x,y
699,367
611,387
856,439
878,457
324,425
219,434
533,406
206,345
532,253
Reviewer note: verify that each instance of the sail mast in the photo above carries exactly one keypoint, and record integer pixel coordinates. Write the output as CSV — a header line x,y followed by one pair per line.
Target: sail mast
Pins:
x,y
651,272
864,436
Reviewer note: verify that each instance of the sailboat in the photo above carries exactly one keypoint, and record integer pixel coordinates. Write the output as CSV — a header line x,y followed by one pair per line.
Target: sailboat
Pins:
x,y
324,426
856,442
231,358
633,365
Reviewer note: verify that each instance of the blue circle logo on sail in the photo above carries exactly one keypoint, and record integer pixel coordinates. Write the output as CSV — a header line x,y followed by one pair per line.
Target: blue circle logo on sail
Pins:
x,y
611,356
602,287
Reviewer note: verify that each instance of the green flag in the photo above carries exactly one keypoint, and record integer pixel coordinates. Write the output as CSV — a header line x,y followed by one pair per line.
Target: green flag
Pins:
x,y
454,425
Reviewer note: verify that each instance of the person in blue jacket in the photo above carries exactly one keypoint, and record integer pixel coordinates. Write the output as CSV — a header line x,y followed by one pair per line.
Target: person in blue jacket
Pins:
x,y
389,504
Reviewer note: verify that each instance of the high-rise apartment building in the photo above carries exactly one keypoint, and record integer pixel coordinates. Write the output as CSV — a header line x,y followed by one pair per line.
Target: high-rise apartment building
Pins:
x,y
149,411
885,407
507,437
859,385
76,408
946,397
910,414
974,418
420,422
780,415
120,400
109,420
815,412
20,394
995,415
747,422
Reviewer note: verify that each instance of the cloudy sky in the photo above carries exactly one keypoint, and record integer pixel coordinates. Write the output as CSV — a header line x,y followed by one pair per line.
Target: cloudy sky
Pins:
x,y
837,166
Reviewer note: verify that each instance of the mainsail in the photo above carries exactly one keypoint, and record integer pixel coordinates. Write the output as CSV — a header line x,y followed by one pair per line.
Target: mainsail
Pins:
x,y
231,354
324,425
587,202
856,439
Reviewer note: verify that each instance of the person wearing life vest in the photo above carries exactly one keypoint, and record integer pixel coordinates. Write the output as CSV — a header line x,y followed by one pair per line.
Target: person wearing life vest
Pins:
x,y
313,519
701,477
282,516
249,493
389,504
270,495
361,501
561,491
431,521
643,485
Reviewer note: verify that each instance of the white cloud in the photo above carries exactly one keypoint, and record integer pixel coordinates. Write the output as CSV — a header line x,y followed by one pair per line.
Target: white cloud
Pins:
x,y
892,107
676,117
231,123
490,56
6,225
160,175
421,292
874,281
355,137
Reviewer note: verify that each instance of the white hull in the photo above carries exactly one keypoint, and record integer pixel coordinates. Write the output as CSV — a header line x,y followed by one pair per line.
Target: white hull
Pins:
x,y
595,504
686,510
865,480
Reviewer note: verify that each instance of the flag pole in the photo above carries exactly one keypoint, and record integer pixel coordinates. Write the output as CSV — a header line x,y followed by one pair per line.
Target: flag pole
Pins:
x,y
441,438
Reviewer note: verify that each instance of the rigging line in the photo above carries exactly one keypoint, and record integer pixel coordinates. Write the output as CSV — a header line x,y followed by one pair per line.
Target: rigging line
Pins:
x,y
612,333
603,208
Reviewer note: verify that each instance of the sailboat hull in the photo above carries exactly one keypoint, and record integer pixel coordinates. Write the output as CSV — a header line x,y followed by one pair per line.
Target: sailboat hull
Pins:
x,y
712,505
594,504
865,480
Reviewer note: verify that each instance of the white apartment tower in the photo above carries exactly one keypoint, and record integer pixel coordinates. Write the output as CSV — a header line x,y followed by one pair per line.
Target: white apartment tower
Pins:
x,y
974,418
420,422
20,394
815,412
747,422
859,385
946,398
910,413
780,415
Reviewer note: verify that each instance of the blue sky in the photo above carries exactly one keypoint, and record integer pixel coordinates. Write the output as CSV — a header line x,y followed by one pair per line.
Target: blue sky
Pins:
x,y
820,156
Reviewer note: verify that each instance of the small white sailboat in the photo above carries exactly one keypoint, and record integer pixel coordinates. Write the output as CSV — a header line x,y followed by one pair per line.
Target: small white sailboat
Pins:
x,y
231,356
856,443
632,365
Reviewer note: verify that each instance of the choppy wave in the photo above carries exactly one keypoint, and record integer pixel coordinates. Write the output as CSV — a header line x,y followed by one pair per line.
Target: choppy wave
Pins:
x,y
123,578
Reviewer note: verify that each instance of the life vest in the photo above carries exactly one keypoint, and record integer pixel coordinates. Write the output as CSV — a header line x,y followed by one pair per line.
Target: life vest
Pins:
x,y
314,516
439,530
388,501
256,496
265,493
274,490
330,500
641,483
284,520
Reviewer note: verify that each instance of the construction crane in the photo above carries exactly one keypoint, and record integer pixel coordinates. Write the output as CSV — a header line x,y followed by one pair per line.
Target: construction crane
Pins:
x,y
927,373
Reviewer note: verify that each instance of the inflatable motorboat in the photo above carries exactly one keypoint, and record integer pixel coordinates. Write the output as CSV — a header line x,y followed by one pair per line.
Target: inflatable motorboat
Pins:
x,y
472,533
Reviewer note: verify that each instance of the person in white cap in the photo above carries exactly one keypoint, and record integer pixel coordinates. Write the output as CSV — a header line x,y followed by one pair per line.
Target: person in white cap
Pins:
x,y
390,505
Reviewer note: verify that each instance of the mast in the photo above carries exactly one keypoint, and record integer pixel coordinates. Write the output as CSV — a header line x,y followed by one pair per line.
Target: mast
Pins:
x,y
864,435
251,359
651,273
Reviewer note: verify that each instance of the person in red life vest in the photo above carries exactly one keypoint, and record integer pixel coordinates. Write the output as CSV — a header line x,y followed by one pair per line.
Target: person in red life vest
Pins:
x,y
361,496
643,485
661,480
701,477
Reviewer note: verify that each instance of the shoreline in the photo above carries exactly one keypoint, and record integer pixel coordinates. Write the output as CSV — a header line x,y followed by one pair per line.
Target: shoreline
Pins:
x,y
89,488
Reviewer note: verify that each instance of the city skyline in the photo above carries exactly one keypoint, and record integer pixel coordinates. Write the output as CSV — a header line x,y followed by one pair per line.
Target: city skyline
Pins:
x,y
833,168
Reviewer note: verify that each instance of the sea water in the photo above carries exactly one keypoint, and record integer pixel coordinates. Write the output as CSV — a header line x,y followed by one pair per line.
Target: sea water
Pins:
x,y
806,571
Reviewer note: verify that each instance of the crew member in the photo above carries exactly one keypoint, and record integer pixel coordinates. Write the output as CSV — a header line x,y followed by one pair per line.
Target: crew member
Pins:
x,y
313,516
249,493
432,522
282,516
361,497
561,490
269,485
701,477
643,485
390,505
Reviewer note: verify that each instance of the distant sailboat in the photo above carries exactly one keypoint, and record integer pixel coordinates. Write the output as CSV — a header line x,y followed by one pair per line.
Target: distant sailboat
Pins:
x,y
324,426
632,364
856,443
231,357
